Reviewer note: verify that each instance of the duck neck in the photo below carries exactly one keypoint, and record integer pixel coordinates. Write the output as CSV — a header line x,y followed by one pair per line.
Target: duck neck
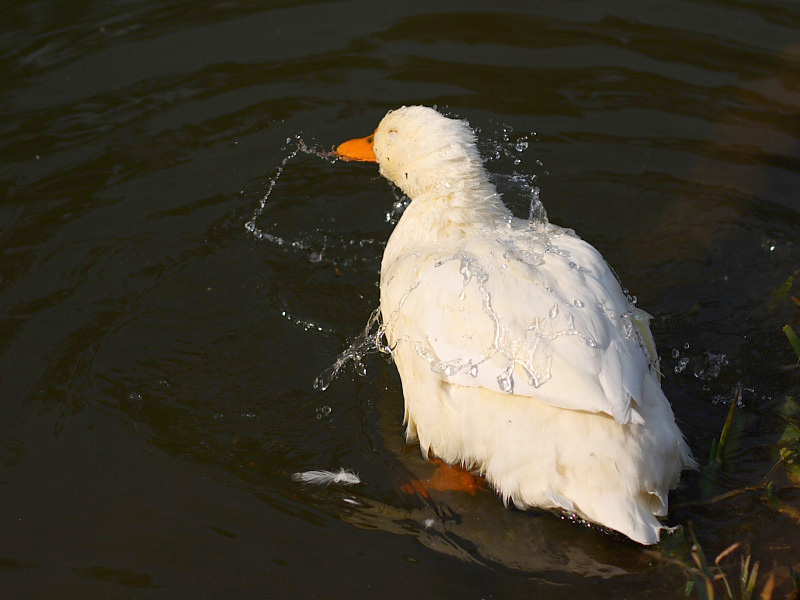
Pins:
x,y
442,216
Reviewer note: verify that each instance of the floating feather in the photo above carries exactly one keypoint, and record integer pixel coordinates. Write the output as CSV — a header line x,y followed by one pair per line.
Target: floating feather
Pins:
x,y
327,477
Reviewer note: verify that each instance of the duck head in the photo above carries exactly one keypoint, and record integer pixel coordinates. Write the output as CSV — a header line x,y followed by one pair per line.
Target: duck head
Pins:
x,y
422,152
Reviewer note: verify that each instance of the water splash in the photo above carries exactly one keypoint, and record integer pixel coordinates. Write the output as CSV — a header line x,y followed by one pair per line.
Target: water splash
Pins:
x,y
520,191
401,202
369,341
304,324
706,366
509,146
537,215
711,368
299,147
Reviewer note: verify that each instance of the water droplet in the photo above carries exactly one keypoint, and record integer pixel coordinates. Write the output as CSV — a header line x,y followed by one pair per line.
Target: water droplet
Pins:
x,y
473,370
465,269
681,364
572,265
591,343
462,296
675,353
323,411
521,146
506,383
554,311
135,397
578,304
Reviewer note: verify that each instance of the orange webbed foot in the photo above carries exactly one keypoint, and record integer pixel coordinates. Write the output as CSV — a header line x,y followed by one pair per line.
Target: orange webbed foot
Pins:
x,y
415,486
446,478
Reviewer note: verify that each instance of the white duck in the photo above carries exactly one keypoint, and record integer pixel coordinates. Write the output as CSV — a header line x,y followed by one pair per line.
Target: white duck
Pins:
x,y
519,353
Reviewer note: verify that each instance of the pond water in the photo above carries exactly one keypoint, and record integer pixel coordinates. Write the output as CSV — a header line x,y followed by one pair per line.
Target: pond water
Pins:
x,y
157,358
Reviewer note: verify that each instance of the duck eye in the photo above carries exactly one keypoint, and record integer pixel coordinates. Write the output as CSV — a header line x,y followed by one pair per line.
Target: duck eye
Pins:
x,y
406,175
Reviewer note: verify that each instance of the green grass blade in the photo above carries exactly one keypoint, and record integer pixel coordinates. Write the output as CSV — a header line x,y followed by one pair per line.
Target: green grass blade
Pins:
x,y
793,339
726,429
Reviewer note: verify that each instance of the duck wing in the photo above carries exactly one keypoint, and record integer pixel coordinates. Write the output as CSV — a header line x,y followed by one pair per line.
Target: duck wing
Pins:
x,y
531,312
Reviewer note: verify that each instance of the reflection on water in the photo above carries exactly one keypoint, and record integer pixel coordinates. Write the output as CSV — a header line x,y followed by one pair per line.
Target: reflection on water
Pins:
x,y
157,358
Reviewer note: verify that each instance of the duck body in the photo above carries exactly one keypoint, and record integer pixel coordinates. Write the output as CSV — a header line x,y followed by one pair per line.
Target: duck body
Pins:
x,y
519,354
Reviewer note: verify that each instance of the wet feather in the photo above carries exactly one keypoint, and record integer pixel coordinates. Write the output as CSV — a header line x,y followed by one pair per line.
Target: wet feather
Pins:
x,y
342,477
519,352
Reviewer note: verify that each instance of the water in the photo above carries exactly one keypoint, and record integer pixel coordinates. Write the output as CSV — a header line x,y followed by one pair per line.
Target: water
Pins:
x,y
157,359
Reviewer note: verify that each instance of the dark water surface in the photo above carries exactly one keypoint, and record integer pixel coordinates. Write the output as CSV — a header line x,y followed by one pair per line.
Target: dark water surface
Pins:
x,y
157,359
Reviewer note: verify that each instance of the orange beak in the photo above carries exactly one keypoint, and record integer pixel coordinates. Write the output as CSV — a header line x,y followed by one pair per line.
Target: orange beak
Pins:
x,y
358,149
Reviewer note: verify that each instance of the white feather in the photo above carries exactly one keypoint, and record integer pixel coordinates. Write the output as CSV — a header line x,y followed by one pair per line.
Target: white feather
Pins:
x,y
518,352
341,476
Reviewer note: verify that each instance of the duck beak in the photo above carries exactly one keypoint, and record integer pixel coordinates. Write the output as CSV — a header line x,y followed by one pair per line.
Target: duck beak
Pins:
x,y
358,149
